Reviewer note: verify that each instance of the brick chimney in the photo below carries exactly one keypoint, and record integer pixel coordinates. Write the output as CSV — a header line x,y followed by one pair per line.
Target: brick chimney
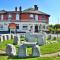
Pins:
x,y
35,7
20,9
15,8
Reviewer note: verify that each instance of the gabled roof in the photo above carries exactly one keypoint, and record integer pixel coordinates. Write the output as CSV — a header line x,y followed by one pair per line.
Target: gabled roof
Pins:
x,y
29,10
3,11
32,10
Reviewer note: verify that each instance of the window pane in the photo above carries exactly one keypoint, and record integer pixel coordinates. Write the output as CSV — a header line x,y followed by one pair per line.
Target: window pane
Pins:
x,y
43,26
1,26
17,26
36,17
9,17
17,16
24,27
1,17
43,17
31,16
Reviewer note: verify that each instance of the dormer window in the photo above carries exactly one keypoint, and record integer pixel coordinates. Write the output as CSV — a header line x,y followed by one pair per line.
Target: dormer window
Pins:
x,y
9,17
17,16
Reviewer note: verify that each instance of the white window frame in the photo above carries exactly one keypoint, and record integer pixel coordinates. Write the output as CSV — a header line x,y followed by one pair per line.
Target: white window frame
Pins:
x,y
17,17
1,27
25,27
9,17
36,17
2,17
31,16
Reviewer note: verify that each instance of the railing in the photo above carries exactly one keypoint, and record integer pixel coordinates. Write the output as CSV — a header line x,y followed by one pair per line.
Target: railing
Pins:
x,y
30,20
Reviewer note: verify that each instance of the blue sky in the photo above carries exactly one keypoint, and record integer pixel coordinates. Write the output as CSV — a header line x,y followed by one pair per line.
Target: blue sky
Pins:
x,y
51,7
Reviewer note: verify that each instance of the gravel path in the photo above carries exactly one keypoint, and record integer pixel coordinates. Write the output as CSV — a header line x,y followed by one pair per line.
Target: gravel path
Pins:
x,y
52,54
2,52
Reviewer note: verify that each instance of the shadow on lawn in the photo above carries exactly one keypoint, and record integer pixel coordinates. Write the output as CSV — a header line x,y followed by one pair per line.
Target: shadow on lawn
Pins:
x,y
16,57
3,54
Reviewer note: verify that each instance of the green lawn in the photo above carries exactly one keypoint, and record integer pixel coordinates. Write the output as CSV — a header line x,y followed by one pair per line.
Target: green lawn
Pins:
x,y
49,48
36,58
4,43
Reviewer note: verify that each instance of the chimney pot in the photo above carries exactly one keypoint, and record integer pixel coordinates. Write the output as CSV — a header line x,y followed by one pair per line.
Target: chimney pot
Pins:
x,y
15,8
35,7
20,9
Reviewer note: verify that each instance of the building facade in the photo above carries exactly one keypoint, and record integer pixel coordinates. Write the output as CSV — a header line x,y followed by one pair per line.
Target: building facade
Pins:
x,y
30,19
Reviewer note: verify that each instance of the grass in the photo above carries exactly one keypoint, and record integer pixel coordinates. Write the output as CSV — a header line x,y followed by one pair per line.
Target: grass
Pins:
x,y
58,39
4,43
29,51
49,48
36,58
